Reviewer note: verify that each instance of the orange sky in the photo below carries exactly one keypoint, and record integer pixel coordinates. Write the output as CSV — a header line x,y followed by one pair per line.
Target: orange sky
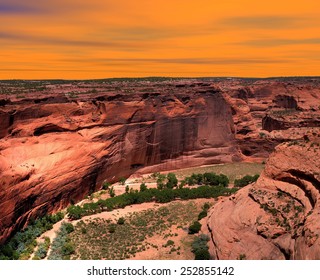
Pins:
x,y
80,39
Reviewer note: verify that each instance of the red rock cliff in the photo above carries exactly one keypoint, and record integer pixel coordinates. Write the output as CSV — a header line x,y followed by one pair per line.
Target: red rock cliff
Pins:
x,y
56,150
276,217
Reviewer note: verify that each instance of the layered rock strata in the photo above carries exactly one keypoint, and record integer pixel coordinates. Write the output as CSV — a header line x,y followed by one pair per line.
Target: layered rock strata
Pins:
x,y
276,217
56,151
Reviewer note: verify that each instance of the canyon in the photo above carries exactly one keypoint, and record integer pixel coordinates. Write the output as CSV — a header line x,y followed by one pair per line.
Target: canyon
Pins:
x,y
61,140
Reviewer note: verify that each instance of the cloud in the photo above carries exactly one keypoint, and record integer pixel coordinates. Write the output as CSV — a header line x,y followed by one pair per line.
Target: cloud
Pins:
x,y
279,42
190,61
44,70
64,42
142,33
263,22
148,33
10,8
220,61
5,35
47,7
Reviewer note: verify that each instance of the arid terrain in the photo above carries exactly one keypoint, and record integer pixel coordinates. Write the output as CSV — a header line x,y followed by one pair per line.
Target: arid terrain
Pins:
x,y
62,141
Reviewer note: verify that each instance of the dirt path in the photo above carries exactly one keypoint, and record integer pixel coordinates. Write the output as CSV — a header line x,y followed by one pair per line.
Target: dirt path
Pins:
x,y
117,213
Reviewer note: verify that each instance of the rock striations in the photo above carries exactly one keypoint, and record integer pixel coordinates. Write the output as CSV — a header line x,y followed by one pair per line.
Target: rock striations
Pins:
x,y
276,217
57,151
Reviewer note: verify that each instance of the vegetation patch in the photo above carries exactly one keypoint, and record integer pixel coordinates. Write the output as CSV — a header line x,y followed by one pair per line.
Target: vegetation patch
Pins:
x,y
75,212
231,170
42,250
200,247
22,244
194,228
62,247
135,235
246,180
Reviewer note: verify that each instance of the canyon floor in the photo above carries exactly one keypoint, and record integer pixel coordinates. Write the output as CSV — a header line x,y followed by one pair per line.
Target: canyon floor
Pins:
x,y
168,239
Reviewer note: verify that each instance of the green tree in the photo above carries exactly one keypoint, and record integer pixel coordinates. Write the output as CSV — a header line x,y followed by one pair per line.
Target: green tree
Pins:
x,y
172,181
246,180
182,184
112,192
143,187
202,254
200,248
202,214
160,181
194,228
75,212
122,181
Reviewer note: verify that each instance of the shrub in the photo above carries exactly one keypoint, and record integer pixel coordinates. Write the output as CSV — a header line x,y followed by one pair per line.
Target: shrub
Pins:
x,y
206,206
122,181
202,214
61,246
112,228
75,212
160,181
246,180
202,254
106,186
42,250
22,244
67,249
169,243
69,227
262,135
121,221
182,184
143,187
194,228
165,196
112,192
200,247
172,181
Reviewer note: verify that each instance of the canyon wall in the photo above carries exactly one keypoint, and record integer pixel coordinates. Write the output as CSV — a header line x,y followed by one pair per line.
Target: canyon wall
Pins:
x,y
276,217
59,144
55,151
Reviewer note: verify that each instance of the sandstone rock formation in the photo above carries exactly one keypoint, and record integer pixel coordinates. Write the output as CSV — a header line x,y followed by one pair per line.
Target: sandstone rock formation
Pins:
x,y
264,111
276,217
56,151
60,140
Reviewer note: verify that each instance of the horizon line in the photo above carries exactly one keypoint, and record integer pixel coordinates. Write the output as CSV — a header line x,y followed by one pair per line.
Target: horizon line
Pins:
x,y
162,77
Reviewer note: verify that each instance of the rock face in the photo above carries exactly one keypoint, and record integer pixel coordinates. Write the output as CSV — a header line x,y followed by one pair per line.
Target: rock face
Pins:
x,y
60,140
264,111
57,151
276,217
